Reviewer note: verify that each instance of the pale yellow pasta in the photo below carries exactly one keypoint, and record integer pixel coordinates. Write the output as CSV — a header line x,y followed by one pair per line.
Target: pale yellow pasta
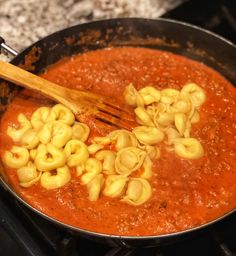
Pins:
x,y
17,133
129,160
61,113
169,95
180,122
58,180
93,148
28,175
80,131
76,153
108,158
163,119
102,140
132,97
182,105
138,191
152,151
114,185
93,167
150,95
49,157
148,135
32,154
147,166
188,148
80,169
196,93
16,157
187,129
143,117
195,117
39,117
172,135
30,139
123,139
94,187
55,132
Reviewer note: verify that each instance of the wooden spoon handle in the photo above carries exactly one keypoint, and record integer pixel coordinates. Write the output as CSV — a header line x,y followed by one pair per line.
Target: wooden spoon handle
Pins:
x,y
28,80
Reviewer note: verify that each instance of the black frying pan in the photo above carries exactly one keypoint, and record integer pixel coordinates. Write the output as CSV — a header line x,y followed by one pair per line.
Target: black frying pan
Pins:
x,y
173,36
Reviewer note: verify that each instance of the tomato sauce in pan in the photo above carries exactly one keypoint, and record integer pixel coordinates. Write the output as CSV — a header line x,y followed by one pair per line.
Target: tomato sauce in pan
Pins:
x,y
186,193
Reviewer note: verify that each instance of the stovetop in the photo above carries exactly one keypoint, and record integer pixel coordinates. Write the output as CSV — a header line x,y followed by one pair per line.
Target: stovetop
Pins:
x,y
24,233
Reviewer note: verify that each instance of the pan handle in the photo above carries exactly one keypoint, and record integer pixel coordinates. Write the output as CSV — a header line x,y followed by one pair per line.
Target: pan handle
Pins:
x,y
5,49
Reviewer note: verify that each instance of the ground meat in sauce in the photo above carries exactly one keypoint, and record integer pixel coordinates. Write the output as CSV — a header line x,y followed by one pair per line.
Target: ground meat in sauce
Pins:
x,y
186,194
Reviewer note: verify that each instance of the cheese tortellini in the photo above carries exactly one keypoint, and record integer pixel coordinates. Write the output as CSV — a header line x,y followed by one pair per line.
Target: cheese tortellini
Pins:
x,y
148,135
139,191
16,157
129,160
28,175
123,139
58,180
80,131
115,185
76,153
49,157
17,133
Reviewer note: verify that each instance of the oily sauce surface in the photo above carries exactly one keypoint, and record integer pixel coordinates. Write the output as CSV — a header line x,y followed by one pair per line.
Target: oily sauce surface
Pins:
x,y
185,193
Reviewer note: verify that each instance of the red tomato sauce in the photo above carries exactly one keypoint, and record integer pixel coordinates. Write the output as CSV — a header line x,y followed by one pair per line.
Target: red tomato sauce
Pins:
x,y
186,193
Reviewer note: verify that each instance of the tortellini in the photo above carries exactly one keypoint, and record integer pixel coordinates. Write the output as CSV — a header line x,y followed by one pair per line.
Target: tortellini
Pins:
x,y
108,157
76,153
16,157
30,139
132,97
123,139
138,192
143,117
150,95
95,186
188,148
80,131
56,133
196,93
148,135
28,175
17,133
115,185
129,160
93,167
49,157
61,113
58,180
39,117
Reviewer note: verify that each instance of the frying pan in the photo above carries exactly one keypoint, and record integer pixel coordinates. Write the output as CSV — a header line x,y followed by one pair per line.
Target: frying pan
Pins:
x,y
163,34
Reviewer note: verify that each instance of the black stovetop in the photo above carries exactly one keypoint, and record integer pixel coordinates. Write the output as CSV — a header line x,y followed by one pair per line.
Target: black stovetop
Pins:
x,y
24,233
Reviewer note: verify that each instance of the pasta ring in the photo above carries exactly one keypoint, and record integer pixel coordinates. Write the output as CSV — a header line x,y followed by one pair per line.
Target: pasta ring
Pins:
x,y
148,135
39,117
61,113
93,167
132,97
49,158
28,175
150,95
143,117
16,134
30,139
129,160
76,153
95,186
108,157
114,185
138,192
188,148
56,133
80,131
17,157
60,179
